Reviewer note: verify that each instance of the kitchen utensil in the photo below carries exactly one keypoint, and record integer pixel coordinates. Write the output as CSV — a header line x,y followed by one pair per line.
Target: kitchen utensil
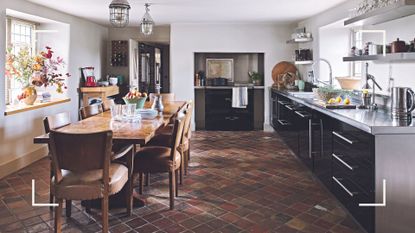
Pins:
x,y
301,85
403,102
366,99
375,49
398,46
349,83
282,68
89,77
113,81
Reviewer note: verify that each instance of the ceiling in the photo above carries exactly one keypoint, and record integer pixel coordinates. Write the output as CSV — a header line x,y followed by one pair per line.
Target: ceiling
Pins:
x,y
199,11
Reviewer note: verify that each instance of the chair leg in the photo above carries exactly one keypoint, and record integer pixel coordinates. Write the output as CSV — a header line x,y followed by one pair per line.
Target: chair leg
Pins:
x,y
147,179
68,208
58,219
176,184
104,206
186,161
172,181
140,182
51,199
181,169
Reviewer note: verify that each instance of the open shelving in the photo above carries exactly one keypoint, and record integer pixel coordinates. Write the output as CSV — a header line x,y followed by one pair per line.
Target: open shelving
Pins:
x,y
380,57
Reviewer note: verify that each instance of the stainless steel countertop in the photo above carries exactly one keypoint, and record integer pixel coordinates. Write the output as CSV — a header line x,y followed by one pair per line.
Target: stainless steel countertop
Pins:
x,y
373,122
228,87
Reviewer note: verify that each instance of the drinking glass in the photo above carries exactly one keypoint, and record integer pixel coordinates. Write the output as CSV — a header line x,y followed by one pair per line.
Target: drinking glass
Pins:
x,y
116,111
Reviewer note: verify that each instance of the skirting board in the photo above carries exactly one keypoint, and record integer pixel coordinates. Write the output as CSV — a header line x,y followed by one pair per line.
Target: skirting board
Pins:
x,y
23,161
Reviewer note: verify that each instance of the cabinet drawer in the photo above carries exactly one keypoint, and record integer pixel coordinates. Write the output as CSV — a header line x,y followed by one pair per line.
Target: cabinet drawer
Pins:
x,y
350,196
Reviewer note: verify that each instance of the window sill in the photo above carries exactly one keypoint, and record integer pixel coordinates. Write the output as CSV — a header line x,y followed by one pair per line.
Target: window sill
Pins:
x,y
10,110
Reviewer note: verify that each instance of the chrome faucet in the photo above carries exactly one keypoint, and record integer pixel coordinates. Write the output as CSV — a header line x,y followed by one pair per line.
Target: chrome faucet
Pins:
x,y
317,80
373,106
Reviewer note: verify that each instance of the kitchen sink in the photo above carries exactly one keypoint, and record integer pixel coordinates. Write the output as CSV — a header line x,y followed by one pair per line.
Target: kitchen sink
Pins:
x,y
303,94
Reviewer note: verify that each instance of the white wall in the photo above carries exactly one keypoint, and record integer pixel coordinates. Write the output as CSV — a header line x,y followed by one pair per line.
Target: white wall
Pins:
x,y
87,48
186,39
403,28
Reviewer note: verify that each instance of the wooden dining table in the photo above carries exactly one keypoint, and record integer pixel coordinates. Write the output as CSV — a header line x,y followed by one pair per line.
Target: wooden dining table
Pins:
x,y
137,134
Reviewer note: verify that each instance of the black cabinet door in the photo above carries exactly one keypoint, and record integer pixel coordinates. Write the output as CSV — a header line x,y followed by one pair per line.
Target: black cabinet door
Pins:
x,y
322,160
304,127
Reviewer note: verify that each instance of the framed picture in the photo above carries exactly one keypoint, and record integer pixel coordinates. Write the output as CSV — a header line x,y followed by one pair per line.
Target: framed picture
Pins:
x,y
219,68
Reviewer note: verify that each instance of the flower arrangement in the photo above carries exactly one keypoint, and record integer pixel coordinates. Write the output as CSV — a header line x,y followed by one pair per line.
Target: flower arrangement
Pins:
x,y
39,70
47,71
19,66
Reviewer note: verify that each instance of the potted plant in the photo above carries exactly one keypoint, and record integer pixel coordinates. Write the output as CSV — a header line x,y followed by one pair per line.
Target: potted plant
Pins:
x,y
256,78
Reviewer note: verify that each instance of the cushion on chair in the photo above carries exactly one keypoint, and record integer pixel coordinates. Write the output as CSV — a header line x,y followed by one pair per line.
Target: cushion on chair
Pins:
x,y
88,185
155,159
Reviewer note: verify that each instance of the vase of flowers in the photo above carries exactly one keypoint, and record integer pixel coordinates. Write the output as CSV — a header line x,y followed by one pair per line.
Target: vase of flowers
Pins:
x,y
35,71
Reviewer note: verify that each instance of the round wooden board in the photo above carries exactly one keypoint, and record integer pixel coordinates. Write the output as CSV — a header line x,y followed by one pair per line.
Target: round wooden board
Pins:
x,y
282,68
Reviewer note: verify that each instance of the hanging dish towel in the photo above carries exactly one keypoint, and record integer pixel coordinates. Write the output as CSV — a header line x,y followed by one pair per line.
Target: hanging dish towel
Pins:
x,y
239,97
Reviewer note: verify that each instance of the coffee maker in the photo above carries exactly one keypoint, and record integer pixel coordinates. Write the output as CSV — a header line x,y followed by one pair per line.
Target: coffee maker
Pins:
x,y
89,77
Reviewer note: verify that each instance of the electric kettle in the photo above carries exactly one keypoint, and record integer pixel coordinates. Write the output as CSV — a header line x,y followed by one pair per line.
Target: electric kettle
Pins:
x,y
403,102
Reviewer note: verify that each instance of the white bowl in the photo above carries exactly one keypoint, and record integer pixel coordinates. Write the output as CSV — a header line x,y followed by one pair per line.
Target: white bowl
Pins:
x,y
349,83
113,81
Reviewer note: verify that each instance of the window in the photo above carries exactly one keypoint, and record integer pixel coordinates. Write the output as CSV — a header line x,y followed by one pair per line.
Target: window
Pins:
x,y
356,41
19,34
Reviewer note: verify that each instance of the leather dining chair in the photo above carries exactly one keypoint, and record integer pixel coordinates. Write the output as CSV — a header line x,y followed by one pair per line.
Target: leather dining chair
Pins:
x,y
90,110
107,103
163,138
158,159
166,97
84,171
51,123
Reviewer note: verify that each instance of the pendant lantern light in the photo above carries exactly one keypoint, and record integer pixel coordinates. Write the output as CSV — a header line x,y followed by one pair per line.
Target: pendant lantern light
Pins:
x,y
119,13
147,23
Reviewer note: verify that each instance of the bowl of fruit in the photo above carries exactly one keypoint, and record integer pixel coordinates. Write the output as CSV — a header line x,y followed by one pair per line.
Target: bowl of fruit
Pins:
x,y
136,97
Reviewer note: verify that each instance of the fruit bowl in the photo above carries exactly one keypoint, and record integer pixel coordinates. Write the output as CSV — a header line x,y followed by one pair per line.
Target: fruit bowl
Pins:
x,y
327,93
139,101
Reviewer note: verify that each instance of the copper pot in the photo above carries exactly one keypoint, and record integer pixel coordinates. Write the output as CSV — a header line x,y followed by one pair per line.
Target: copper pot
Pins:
x,y
398,46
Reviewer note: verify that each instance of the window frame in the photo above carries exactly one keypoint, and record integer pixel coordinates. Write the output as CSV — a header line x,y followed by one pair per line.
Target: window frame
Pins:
x,y
358,44
33,47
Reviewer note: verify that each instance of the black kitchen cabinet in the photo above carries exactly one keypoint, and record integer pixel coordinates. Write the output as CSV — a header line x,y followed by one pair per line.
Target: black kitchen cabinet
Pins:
x,y
219,114
353,171
341,156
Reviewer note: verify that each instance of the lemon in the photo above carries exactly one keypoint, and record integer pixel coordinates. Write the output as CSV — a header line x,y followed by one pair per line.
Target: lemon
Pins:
x,y
332,101
339,99
346,101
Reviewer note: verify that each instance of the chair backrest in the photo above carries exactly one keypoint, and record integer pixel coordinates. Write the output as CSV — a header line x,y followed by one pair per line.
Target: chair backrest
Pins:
x,y
56,121
177,136
166,97
188,120
90,110
107,103
80,152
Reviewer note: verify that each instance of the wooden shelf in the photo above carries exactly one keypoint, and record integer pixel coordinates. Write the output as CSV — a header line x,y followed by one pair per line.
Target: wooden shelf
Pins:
x,y
14,109
397,10
97,92
303,62
381,57
299,40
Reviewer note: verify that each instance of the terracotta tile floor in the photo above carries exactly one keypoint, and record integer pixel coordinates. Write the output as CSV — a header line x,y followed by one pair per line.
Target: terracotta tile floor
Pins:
x,y
238,182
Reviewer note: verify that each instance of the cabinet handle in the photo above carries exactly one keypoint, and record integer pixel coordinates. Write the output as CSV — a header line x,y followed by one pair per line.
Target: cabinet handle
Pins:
x,y
282,102
343,162
343,187
343,138
290,107
303,114
284,122
310,138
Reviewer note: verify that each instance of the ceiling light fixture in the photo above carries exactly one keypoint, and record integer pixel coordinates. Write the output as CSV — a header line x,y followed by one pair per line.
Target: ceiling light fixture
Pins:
x,y
119,13
147,23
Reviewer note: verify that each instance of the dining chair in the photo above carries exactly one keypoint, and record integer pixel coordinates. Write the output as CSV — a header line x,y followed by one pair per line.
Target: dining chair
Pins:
x,y
51,123
166,97
107,103
164,139
90,110
158,159
84,171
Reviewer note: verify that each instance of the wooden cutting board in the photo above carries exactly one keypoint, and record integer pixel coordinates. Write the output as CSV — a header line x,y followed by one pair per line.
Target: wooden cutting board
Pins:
x,y
282,68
